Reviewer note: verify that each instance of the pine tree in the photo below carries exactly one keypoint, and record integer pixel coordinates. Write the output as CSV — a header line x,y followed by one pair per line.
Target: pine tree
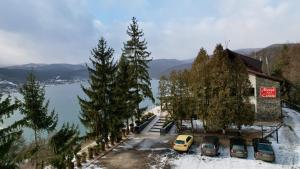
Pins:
x,y
179,98
135,50
281,63
229,103
220,113
35,110
124,96
200,84
96,108
188,98
64,144
242,111
8,135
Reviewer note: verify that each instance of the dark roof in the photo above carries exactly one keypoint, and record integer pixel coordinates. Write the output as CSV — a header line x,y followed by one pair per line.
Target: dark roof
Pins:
x,y
250,63
254,66
259,74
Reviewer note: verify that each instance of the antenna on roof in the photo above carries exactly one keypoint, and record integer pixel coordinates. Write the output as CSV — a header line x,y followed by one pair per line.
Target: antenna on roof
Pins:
x,y
226,44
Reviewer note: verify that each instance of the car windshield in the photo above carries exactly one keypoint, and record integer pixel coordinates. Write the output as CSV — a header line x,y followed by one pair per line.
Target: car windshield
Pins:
x,y
208,146
238,147
179,142
265,147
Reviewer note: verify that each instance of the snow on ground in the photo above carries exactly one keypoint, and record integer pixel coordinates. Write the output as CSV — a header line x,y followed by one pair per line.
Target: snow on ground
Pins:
x,y
157,111
198,124
287,152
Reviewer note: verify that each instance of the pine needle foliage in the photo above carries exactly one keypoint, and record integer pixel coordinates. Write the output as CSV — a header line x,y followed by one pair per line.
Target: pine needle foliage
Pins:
x,y
64,144
135,50
34,107
8,135
96,107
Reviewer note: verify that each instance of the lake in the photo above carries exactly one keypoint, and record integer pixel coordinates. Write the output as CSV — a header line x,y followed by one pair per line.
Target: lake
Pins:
x,y
63,98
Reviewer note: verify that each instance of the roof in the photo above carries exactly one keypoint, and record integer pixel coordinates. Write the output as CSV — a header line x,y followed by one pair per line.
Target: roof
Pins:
x,y
254,66
250,63
259,74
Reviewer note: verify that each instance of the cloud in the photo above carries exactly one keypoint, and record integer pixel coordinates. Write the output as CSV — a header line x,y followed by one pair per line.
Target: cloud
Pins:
x,y
246,24
50,31
65,31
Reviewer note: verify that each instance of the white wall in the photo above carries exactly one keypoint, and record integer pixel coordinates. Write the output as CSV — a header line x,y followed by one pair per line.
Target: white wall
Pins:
x,y
252,99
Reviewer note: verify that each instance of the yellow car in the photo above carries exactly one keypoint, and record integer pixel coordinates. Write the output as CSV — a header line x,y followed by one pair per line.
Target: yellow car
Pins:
x,y
183,142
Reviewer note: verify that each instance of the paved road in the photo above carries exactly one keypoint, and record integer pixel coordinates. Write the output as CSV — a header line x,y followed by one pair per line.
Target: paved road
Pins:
x,y
139,152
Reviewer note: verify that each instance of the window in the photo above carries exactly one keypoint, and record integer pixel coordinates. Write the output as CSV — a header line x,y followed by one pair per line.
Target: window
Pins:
x,y
251,91
188,139
179,142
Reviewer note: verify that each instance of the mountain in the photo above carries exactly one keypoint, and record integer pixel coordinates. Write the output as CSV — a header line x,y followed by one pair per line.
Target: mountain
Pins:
x,y
248,51
158,67
44,72
166,66
270,55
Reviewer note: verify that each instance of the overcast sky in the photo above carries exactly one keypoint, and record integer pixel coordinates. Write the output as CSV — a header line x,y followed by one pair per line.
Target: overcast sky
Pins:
x,y
56,31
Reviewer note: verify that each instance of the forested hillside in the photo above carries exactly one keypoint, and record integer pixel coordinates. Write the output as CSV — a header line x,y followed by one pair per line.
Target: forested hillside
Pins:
x,y
283,60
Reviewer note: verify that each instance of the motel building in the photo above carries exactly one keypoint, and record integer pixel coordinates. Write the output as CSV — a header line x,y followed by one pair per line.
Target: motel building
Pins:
x,y
265,91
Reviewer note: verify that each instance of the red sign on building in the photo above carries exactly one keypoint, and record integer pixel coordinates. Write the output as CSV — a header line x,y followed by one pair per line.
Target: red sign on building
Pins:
x,y
268,92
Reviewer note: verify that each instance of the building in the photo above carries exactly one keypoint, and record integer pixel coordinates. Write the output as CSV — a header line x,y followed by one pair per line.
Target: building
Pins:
x,y
265,94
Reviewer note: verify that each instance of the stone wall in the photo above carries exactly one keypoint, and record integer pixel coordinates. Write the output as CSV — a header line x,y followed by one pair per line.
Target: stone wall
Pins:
x,y
268,109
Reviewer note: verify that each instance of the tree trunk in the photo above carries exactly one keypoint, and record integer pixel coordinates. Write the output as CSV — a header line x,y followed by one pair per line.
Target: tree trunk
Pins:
x,y
112,139
127,126
90,153
240,130
70,165
204,126
192,125
102,146
78,160
36,147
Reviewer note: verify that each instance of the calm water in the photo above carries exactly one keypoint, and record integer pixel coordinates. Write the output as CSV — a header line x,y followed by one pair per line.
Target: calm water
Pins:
x,y
63,98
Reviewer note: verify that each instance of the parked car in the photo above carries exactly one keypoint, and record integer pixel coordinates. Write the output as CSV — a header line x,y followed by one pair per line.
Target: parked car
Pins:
x,y
238,148
263,150
183,142
210,146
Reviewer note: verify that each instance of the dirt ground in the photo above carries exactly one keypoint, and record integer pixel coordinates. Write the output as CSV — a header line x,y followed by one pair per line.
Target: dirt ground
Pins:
x,y
139,152
146,151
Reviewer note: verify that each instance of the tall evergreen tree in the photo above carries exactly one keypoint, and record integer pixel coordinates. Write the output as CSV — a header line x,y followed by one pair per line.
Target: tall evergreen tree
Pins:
x,y
96,108
242,111
64,144
124,95
135,50
178,100
35,110
200,84
8,135
220,112
229,103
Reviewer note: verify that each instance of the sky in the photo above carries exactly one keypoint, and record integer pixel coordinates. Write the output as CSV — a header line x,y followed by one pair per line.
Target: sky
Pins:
x,y
65,31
